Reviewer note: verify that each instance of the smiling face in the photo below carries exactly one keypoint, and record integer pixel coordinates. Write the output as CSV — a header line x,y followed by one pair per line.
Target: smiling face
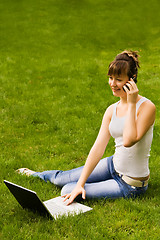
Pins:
x,y
116,83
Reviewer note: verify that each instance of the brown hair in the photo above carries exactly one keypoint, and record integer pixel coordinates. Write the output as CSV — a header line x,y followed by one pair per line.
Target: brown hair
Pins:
x,y
125,63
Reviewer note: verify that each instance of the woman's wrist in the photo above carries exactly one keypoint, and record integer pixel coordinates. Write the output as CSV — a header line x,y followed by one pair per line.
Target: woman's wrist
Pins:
x,y
80,184
132,105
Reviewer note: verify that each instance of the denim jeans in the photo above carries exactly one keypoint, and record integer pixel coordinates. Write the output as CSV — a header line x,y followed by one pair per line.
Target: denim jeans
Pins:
x,y
103,182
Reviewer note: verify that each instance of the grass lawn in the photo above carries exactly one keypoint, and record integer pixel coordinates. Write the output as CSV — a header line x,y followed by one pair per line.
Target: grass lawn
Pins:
x,y
54,57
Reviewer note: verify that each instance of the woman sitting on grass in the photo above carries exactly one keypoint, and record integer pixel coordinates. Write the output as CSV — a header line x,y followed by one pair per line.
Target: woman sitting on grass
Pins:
x,y
130,122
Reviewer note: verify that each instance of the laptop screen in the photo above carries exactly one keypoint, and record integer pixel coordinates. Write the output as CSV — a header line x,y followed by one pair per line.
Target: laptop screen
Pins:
x,y
27,198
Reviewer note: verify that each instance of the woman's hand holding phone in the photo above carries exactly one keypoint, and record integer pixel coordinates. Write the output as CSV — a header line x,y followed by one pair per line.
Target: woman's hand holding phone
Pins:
x,y
132,91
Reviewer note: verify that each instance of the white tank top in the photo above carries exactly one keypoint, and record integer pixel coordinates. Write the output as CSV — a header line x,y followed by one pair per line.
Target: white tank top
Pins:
x,y
131,161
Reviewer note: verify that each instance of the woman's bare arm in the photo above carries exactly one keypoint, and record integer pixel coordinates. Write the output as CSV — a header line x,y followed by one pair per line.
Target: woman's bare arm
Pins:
x,y
136,127
94,156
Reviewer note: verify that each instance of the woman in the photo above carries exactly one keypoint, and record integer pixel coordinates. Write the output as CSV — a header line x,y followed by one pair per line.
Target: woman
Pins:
x,y
130,122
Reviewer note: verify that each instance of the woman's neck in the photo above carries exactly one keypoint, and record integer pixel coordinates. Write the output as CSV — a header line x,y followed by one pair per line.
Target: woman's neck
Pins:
x,y
123,100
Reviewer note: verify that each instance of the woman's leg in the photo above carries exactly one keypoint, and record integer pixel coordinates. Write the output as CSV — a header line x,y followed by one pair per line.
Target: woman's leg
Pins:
x,y
61,178
113,188
102,183
105,189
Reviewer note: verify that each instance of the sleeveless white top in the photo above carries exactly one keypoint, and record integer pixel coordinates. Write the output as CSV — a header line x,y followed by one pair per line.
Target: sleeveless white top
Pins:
x,y
131,161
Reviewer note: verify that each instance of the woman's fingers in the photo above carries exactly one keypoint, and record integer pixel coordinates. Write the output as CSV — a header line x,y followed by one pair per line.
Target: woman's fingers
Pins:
x,y
125,88
83,194
71,196
130,86
71,199
66,196
132,91
132,83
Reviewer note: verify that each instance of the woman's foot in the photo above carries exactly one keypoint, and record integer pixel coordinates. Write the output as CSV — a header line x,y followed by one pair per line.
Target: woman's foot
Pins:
x,y
25,171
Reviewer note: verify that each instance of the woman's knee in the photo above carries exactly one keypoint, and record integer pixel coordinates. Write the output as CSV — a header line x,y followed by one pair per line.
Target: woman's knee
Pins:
x,y
67,188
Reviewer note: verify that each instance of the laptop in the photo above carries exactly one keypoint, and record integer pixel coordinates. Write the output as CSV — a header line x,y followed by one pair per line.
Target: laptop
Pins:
x,y
52,208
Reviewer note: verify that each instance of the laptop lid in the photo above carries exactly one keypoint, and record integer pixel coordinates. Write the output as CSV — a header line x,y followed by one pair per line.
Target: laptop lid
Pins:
x,y
27,198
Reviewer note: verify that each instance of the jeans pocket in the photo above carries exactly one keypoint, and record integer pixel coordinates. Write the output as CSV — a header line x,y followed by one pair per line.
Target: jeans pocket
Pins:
x,y
134,192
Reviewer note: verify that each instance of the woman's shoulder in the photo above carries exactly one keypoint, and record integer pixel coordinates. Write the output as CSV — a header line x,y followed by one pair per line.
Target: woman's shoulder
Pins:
x,y
147,103
109,110
148,106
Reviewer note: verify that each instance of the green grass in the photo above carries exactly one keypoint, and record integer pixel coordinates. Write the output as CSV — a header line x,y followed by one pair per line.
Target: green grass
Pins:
x,y
54,57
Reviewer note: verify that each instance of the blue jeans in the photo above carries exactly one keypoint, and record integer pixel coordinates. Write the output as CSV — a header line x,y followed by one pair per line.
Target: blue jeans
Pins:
x,y
103,182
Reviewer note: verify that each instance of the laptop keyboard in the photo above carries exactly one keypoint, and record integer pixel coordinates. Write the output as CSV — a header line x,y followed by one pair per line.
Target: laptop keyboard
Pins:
x,y
55,209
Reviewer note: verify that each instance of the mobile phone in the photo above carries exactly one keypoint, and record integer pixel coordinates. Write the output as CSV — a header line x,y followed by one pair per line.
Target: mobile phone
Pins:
x,y
134,79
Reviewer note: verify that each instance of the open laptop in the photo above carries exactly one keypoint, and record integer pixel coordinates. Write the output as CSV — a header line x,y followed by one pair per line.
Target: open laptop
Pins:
x,y
52,208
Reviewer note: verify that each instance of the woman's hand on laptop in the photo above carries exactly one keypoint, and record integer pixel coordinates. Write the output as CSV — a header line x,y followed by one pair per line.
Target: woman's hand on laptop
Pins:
x,y
76,191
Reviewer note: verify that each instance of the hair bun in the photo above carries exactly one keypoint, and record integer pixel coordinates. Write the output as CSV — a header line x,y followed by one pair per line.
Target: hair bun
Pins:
x,y
134,55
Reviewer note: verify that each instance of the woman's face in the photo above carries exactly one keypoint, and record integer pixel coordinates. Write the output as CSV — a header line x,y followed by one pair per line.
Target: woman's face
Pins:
x,y
116,83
